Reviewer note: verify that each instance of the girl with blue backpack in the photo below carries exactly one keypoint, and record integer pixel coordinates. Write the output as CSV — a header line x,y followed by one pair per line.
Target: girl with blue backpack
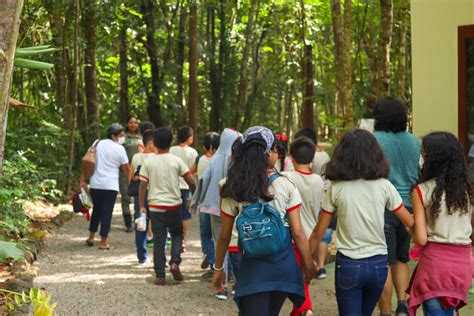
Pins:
x,y
266,206
359,192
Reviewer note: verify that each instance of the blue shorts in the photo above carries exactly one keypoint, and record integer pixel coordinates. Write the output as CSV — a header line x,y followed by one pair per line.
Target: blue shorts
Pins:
x,y
185,196
327,236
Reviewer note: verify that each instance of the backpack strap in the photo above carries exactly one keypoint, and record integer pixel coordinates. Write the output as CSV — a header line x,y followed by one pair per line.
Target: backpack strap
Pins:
x,y
273,177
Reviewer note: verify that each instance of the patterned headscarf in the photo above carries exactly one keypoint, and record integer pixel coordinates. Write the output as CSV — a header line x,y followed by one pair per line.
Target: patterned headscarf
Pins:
x,y
258,135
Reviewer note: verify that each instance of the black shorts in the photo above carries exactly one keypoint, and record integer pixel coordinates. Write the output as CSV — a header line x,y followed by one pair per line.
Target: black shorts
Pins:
x,y
397,237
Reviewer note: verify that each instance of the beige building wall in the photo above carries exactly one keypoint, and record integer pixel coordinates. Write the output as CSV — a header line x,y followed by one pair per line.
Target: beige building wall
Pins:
x,y
435,63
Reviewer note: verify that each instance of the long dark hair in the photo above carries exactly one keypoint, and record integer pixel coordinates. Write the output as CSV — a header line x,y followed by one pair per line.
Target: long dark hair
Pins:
x,y
357,156
444,162
247,179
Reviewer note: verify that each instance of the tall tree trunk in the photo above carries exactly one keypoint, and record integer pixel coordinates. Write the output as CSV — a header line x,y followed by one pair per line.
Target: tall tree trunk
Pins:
x,y
224,51
124,104
243,83
215,81
342,28
73,97
180,62
57,19
385,40
153,106
403,17
9,26
307,75
89,27
308,93
193,64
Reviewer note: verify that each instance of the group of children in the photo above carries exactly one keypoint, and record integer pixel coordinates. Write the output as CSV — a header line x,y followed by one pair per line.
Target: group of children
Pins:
x,y
235,171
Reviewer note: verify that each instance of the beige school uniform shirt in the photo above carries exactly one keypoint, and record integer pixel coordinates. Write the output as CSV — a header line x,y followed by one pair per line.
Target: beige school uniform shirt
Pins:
x,y
163,173
202,164
320,160
311,189
450,229
139,158
188,156
360,206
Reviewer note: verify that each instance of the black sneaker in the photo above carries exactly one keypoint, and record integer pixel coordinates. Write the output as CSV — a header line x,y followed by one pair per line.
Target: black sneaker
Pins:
x,y
321,274
208,275
221,295
402,309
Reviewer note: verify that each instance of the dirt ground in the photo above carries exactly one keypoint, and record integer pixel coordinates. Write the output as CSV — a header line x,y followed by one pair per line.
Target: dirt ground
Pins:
x,y
87,281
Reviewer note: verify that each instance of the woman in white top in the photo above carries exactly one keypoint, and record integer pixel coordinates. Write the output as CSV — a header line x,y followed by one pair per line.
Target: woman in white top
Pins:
x,y
104,183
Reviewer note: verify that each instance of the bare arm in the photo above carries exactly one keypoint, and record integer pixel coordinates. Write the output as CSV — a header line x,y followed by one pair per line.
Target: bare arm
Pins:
x,y
318,233
141,196
420,236
131,173
126,168
405,217
223,241
193,169
190,181
301,242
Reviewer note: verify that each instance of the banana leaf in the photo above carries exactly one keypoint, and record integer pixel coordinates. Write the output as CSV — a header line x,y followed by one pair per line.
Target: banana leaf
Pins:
x,y
32,64
19,53
35,47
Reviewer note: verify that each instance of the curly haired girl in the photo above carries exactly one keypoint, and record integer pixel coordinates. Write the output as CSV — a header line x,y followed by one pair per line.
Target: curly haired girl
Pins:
x,y
442,206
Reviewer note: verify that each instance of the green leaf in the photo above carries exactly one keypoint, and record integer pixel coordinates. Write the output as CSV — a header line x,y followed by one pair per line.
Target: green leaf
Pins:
x,y
17,300
32,64
27,53
10,250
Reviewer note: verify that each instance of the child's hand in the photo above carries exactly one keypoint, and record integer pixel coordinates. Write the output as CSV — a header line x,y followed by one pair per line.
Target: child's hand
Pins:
x,y
309,273
218,280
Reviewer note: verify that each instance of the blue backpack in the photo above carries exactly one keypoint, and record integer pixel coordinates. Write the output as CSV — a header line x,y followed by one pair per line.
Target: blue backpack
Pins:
x,y
262,230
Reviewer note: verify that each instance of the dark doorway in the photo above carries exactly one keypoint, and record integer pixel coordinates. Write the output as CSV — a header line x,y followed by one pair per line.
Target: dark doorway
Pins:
x,y
466,92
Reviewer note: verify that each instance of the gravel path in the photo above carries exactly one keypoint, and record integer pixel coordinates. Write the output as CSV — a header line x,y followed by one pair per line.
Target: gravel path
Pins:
x,y
87,281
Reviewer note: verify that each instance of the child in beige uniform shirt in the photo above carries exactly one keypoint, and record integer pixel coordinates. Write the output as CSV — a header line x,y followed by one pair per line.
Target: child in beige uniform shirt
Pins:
x,y
310,187
359,193
161,174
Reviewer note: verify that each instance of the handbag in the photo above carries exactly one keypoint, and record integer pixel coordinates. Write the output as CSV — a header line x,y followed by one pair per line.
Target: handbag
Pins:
x,y
89,159
134,185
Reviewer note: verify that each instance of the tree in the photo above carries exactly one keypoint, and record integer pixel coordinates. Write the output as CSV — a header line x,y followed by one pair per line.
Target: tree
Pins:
x,y
342,28
124,104
193,65
89,26
9,27
307,74
153,106
385,40
243,83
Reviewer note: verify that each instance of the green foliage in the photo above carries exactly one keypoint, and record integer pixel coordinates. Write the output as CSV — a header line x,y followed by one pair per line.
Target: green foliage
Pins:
x,y
10,250
40,300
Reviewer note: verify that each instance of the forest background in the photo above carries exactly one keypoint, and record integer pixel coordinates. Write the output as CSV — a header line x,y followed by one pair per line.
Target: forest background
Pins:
x,y
209,64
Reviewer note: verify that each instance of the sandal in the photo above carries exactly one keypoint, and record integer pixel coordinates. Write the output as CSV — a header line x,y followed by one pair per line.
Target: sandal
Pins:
x,y
108,247
89,242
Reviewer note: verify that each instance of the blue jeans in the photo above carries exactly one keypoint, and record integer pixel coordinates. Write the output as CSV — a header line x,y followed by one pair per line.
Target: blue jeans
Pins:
x,y
140,237
432,307
207,244
359,283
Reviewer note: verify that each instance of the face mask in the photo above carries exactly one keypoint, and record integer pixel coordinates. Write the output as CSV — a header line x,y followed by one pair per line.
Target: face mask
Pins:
x,y
121,140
